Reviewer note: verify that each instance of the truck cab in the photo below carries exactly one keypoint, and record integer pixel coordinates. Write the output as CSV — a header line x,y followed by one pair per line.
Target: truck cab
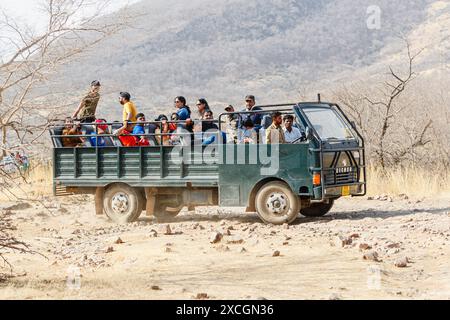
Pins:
x,y
277,181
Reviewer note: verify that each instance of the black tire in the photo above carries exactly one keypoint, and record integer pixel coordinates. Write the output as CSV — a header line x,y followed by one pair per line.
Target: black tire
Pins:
x,y
123,204
317,209
168,206
276,203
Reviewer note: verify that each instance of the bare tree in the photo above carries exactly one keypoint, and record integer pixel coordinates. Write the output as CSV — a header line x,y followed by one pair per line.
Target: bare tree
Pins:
x,y
73,27
31,58
381,113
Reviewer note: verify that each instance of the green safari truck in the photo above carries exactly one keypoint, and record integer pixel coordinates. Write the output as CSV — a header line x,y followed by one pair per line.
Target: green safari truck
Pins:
x,y
277,181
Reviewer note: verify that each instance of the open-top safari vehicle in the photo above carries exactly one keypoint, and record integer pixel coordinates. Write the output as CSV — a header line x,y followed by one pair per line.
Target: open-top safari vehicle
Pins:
x,y
277,181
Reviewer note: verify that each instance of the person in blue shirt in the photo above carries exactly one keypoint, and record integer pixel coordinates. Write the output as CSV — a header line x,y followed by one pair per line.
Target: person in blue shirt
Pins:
x,y
139,129
184,112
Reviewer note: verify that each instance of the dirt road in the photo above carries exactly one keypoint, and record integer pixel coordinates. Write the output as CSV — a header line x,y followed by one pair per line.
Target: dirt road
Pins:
x,y
351,253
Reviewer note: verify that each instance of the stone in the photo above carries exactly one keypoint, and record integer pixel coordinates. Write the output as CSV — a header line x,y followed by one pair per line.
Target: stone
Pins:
x,y
153,233
372,256
119,241
276,254
156,288
402,262
342,241
109,249
202,296
215,237
236,239
167,230
364,247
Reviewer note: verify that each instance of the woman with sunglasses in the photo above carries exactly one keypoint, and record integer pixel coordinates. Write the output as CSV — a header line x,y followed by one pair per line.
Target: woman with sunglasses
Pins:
x,y
184,112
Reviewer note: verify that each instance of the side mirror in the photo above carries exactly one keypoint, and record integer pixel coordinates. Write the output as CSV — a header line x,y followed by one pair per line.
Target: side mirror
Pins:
x,y
353,123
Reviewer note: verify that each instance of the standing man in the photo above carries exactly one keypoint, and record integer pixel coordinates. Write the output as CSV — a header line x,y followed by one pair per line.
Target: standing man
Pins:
x,y
275,133
129,114
250,102
88,106
291,133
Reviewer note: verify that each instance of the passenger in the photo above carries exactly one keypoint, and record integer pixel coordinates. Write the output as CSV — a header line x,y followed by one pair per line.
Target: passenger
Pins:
x,y
208,122
88,106
129,113
231,125
101,129
139,129
129,118
248,134
172,125
71,129
291,133
275,133
163,131
203,107
184,112
250,102
175,139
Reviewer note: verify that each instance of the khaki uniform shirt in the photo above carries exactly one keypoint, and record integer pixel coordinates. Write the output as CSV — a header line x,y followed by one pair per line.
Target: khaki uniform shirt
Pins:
x,y
89,105
273,132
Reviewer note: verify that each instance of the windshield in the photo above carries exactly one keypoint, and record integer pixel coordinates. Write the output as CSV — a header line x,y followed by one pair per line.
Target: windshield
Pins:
x,y
328,124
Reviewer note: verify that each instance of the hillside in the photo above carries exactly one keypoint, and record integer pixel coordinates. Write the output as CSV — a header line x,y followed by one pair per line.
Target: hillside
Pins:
x,y
224,50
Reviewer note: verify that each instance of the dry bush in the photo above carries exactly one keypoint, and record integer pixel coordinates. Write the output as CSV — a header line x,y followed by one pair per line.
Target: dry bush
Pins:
x,y
9,244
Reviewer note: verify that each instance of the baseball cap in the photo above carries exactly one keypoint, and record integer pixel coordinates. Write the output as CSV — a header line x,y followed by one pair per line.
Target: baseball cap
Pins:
x,y
228,108
125,95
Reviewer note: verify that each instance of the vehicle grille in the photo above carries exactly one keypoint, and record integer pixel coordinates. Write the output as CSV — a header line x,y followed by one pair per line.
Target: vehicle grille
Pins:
x,y
341,176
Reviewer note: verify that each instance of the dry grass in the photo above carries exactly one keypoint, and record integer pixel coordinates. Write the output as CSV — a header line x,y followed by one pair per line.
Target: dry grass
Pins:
x,y
411,181
38,182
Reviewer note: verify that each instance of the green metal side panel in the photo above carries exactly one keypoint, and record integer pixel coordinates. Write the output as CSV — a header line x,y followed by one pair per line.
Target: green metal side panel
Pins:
x,y
237,179
138,167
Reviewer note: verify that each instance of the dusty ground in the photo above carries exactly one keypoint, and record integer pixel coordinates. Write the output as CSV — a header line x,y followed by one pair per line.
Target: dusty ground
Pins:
x,y
316,258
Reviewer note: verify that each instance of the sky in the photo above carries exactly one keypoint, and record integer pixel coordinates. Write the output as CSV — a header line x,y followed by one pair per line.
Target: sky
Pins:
x,y
28,10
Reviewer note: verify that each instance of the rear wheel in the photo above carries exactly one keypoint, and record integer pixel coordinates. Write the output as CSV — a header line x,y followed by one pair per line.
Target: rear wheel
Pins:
x,y
317,209
122,203
277,204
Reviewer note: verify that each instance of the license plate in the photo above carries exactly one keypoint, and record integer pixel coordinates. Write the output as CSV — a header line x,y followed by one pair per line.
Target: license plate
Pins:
x,y
345,191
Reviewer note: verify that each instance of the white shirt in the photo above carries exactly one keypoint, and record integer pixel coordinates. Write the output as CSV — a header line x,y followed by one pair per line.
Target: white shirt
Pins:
x,y
290,137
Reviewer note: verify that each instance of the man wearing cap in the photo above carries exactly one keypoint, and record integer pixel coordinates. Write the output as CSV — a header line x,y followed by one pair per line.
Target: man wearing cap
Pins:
x,y
88,106
129,114
250,102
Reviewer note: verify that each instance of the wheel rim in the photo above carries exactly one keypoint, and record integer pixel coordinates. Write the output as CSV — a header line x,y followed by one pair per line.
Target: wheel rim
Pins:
x,y
277,203
120,203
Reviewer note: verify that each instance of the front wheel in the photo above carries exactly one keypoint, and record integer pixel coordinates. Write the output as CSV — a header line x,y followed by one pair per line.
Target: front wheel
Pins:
x,y
317,209
123,204
277,204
